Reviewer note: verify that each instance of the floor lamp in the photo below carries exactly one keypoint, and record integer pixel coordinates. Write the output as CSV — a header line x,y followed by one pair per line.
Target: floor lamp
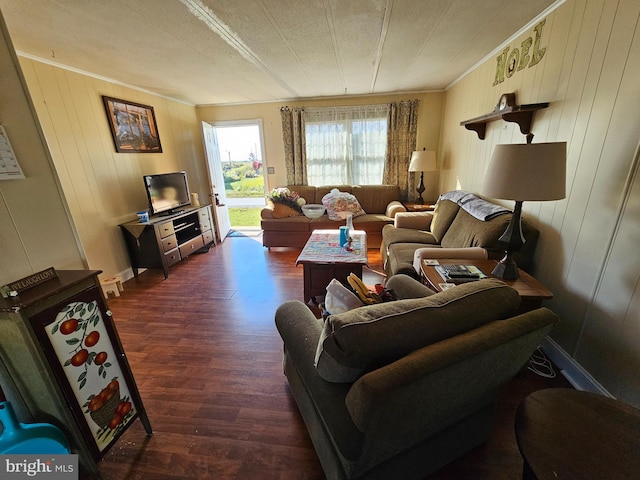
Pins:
x,y
523,172
422,161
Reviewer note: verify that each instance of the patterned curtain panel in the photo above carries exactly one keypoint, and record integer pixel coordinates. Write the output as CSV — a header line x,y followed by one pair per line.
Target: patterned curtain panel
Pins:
x,y
401,142
295,156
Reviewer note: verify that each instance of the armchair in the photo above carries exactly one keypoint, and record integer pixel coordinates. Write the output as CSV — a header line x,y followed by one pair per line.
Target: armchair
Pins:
x,y
398,390
450,231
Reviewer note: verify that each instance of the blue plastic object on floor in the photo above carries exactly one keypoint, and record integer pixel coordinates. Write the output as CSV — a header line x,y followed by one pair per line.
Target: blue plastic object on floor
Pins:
x,y
35,438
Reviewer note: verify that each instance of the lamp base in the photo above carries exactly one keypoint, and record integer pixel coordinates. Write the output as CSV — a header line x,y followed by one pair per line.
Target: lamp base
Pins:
x,y
420,190
506,269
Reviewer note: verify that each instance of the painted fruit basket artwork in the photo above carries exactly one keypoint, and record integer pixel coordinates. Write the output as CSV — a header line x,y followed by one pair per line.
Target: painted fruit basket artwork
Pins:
x,y
84,349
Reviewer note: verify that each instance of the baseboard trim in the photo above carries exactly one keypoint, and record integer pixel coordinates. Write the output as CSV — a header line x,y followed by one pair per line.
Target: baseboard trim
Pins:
x,y
572,370
126,274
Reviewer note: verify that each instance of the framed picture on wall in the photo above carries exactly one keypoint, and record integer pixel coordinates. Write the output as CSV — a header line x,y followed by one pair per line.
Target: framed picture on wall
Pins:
x,y
133,126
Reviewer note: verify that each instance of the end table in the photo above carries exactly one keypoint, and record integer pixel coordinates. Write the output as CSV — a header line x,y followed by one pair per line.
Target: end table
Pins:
x,y
531,291
564,433
419,207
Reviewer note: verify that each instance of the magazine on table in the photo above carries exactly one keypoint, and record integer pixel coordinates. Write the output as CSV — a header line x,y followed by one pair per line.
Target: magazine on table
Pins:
x,y
459,273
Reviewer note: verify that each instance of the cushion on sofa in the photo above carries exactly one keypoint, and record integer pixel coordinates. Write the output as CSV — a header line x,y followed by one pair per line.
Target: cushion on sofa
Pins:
x,y
305,191
443,216
376,198
468,231
340,204
367,338
370,222
280,210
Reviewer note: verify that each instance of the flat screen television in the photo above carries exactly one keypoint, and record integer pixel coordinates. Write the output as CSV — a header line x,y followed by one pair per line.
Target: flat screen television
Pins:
x,y
167,192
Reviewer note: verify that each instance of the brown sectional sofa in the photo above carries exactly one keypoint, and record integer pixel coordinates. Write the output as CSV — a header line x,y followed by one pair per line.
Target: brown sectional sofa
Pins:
x,y
417,235
380,202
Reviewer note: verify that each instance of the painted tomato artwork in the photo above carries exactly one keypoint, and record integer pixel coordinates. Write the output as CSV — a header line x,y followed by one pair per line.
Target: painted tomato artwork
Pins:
x,y
82,345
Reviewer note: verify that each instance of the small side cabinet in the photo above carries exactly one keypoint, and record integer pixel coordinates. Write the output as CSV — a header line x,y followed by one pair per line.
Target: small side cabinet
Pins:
x,y
62,362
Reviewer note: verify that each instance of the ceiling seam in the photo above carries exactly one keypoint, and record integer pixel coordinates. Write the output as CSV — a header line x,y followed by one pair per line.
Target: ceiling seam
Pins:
x,y
381,41
281,34
428,36
334,41
216,25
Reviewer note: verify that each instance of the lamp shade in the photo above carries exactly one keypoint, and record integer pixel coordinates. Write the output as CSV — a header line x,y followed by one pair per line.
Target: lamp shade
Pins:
x,y
422,161
527,172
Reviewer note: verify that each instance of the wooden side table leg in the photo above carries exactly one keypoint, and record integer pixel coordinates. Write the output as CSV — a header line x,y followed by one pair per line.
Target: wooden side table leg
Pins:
x,y
307,272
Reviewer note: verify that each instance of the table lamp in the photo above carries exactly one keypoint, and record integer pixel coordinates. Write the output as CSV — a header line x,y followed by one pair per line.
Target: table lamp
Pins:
x,y
422,161
519,172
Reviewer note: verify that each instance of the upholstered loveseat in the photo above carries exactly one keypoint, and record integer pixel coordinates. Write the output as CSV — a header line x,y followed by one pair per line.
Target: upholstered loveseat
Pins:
x,y
399,389
380,202
451,231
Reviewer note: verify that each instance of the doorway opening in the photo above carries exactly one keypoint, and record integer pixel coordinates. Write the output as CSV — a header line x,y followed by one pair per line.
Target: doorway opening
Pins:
x,y
241,157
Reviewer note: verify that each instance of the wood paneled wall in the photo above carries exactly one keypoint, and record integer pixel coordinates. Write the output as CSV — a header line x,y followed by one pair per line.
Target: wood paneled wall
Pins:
x,y
587,252
104,188
35,230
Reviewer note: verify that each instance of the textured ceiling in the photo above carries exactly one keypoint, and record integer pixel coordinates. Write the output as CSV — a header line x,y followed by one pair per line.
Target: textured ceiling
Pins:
x,y
230,51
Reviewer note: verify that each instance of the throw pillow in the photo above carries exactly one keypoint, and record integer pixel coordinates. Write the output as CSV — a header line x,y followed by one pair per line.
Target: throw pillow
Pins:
x,y
280,210
339,204
443,216
367,338
467,231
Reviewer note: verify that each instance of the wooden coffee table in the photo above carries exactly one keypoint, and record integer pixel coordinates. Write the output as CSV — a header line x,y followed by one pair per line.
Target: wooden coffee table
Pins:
x,y
531,291
323,259
568,434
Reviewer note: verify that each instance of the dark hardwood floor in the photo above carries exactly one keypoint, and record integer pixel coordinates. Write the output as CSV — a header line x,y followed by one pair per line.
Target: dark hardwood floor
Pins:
x,y
208,362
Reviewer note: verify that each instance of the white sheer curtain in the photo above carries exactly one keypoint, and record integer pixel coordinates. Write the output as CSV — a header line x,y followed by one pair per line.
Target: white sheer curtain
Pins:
x,y
346,145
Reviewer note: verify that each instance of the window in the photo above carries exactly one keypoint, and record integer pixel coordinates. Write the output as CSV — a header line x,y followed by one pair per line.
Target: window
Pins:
x,y
346,145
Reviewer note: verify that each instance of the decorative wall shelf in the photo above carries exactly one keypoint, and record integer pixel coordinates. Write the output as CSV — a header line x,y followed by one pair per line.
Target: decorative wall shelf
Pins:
x,y
506,110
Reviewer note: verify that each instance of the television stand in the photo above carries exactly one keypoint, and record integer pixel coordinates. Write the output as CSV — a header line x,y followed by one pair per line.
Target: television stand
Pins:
x,y
169,213
165,240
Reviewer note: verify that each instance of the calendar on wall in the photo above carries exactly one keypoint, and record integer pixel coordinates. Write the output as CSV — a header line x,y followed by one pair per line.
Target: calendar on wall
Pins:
x,y
9,167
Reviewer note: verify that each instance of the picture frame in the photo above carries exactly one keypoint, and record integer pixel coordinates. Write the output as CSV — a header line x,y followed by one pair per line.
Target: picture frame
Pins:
x,y
133,126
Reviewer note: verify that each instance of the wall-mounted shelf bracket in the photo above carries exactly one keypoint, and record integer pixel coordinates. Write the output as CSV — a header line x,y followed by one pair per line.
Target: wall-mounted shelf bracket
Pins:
x,y
508,111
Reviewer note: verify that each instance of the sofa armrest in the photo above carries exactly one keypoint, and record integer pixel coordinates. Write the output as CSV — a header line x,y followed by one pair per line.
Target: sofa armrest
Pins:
x,y
299,329
394,208
267,212
407,287
413,220
471,253
321,403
